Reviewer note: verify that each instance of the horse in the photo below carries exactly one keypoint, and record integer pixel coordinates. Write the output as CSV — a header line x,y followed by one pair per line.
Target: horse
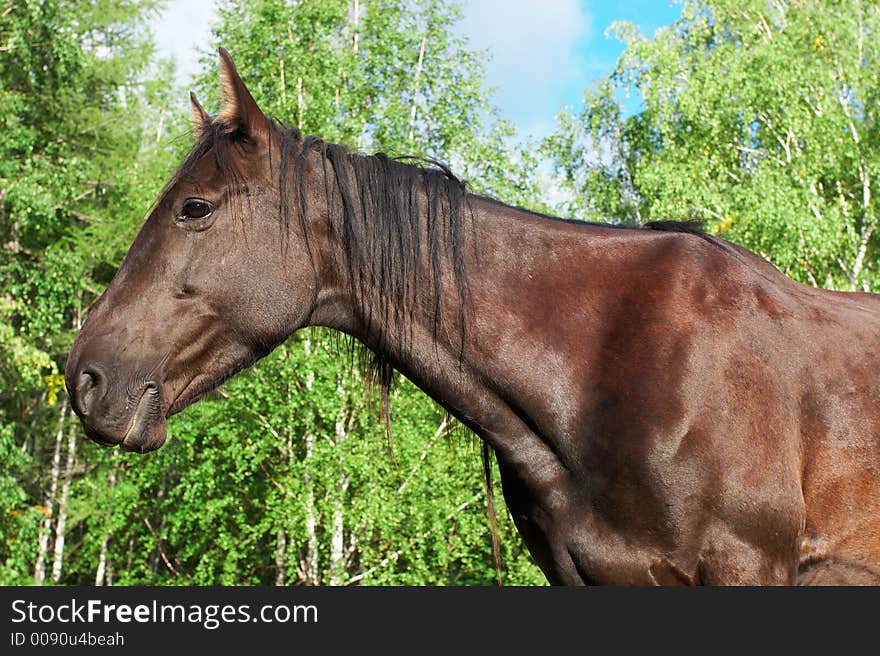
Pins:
x,y
665,406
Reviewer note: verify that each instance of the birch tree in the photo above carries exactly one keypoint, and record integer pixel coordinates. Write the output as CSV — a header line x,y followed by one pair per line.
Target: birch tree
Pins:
x,y
757,117
73,89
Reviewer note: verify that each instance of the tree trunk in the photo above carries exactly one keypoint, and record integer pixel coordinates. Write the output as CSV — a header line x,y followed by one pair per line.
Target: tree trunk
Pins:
x,y
46,525
101,574
415,98
310,571
310,563
62,501
337,539
280,557
354,16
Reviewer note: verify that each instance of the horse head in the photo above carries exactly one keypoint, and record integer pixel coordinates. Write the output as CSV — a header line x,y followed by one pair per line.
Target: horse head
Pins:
x,y
207,287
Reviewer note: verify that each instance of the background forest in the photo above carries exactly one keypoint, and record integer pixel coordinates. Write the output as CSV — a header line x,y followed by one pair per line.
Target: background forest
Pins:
x,y
756,116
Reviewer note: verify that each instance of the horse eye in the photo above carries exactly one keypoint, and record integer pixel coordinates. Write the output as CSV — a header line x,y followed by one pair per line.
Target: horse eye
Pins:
x,y
195,208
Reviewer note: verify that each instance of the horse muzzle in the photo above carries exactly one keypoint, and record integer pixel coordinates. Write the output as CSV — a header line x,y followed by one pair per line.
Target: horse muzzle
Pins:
x,y
116,409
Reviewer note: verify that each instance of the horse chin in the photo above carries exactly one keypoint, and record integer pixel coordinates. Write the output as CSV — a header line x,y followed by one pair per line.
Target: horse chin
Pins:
x,y
142,430
147,429
148,438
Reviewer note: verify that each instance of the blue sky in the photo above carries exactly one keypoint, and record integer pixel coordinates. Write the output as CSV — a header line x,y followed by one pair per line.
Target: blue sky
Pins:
x,y
543,52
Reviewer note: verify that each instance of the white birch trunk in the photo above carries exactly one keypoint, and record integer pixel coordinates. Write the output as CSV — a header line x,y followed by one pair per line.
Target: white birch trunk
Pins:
x,y
310,566
101,573
310,571
46,526
61,524
337,539
280,557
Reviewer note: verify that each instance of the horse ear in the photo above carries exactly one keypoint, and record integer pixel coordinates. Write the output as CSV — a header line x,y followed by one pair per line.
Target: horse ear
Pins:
x,y
240,111
200,118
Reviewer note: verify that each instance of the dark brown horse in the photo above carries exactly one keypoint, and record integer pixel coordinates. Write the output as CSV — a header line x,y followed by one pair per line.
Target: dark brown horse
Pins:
x,y
665,406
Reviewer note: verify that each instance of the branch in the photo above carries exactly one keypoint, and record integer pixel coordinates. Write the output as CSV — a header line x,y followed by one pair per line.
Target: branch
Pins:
x,y
412,114
816,109
713,213
442,428
222,392
160,549
768,33
394,556
846,272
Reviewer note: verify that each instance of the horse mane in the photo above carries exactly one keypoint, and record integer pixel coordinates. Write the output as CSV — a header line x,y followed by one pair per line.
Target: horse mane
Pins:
x,y
693,226
393,221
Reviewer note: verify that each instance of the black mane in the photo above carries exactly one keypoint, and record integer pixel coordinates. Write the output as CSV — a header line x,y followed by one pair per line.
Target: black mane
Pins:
x,y
379,210
693,227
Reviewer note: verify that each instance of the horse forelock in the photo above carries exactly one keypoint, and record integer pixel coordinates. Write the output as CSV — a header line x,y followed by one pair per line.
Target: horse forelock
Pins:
x,y
216,140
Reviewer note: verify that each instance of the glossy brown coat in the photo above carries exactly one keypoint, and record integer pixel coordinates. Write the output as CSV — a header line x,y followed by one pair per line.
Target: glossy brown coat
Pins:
x,y
665,406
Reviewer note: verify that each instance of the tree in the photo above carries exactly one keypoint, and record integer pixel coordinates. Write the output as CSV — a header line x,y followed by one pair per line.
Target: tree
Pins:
x,y
74,96
376,75
758,117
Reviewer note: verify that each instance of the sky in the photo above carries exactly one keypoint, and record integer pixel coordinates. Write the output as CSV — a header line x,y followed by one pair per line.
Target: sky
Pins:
x,y
543,53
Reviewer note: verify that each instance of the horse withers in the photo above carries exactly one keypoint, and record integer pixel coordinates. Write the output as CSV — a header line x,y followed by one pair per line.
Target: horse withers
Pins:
x,y
665,406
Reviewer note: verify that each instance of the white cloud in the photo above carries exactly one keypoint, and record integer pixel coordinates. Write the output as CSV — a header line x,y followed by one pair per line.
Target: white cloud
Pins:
x,y
183,27
533,49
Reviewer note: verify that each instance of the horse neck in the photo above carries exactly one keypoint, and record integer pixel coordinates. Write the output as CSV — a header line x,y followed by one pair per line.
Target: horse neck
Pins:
x,y
443,352
393,261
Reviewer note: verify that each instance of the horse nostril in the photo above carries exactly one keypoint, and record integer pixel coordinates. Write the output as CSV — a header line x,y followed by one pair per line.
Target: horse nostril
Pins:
x,y
88,388
87,380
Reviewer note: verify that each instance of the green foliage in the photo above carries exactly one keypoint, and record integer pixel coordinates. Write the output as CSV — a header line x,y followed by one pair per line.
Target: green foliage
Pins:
x,y
760,118
77,89
18,520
